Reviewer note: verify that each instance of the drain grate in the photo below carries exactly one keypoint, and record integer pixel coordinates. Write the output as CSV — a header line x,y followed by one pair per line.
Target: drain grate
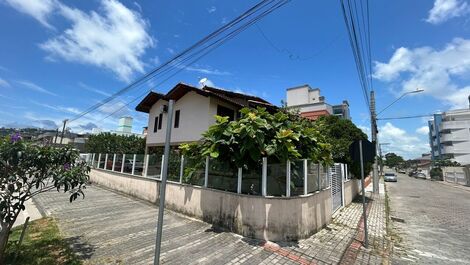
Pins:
x,y
397,219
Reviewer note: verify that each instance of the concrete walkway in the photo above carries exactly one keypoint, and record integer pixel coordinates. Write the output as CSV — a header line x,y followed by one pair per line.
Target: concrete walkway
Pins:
x,y
30,211
110,228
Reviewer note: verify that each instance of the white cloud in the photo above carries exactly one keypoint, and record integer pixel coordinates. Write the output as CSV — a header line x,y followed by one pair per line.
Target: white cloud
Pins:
x,y
170,50
32,86
4,83
444,10
38,9
212,9
205,70
115,39
401,142
423,130
435,71
97,91
58,108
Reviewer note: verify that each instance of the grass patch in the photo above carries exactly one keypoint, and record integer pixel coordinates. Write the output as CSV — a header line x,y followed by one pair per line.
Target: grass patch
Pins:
x,y
42,244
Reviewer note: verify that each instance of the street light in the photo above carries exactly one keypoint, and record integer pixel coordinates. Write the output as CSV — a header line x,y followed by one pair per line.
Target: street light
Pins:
x,y
404,94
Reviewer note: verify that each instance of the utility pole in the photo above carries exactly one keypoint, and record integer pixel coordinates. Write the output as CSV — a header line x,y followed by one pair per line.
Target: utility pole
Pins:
x,y
166,155
63,129
373,130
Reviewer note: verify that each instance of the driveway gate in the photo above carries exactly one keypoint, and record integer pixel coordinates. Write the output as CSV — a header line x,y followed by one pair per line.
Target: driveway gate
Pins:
x,y
336,178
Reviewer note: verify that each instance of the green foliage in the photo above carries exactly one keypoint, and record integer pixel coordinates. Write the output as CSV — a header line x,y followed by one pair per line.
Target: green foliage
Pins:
x,y
258,133
393,160
341,133
115,144
436,173
27,170
446,163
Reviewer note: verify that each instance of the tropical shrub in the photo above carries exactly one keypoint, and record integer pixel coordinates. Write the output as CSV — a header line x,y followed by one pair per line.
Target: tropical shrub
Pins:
x,y
28,170
256,134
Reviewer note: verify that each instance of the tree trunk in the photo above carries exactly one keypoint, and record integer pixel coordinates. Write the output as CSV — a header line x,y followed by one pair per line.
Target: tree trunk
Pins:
x,y
4,234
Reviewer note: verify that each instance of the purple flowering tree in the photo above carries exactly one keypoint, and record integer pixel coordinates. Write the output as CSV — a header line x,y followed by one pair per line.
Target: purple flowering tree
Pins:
x,y
27,170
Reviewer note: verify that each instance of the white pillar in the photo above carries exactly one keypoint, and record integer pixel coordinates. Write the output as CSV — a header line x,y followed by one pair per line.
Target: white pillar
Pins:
x,y
181,168
105,161
93,160
264,176
114,162
161,168
305,177
123,162
146,167
288,178
133,164
206,173
239,182
99,160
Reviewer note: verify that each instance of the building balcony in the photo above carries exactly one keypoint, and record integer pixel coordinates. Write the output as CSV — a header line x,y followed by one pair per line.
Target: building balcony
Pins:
x,y
454,150
452,125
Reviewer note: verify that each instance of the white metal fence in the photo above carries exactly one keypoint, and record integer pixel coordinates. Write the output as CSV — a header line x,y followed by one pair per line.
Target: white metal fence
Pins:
x,y
290,178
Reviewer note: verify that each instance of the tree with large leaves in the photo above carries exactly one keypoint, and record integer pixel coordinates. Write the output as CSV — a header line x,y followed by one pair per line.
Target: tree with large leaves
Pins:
x,y
28,170
257,133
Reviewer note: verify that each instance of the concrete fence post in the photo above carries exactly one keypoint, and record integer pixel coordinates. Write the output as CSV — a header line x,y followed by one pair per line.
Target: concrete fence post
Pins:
x,y
161,168
123,162
206,172
239,181
264,176
93,160
133,164
99,160
181,168
114,162
146,166
318,177
288,178
105,161
305,177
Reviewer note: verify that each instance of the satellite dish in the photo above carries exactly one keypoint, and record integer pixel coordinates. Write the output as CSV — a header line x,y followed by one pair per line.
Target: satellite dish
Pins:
x,y
202,81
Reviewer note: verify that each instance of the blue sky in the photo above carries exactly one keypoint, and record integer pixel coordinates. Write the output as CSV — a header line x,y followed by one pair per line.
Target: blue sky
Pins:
x,y
57,58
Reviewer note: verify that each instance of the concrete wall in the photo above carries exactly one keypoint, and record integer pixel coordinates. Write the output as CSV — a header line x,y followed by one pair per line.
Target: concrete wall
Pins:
x,y
268,218
351,189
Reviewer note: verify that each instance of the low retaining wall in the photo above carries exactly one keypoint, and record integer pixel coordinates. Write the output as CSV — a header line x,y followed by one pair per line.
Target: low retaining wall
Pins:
x,y
267,218
351,188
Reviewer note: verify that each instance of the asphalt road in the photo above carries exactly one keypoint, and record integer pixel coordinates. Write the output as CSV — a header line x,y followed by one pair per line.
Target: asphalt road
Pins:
x,y
436,222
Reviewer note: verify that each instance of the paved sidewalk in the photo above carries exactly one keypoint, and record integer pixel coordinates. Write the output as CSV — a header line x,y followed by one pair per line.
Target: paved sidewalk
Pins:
x,y
30,211
110,228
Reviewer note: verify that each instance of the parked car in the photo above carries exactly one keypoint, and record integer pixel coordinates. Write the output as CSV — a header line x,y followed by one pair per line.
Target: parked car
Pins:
x,y
420,175
390,176
402,171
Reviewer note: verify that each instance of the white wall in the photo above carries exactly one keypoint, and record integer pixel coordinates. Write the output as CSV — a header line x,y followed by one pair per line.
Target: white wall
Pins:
x,y
196,115
302,95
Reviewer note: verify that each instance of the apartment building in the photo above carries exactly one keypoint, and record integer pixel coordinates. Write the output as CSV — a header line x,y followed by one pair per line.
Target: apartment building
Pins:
x,y
311,104
449,136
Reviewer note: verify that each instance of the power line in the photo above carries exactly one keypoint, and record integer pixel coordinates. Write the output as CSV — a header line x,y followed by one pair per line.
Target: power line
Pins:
x,y
204,52
406,117
177,61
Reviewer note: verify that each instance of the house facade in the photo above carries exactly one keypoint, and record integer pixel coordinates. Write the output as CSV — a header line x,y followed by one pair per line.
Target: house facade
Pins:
x,y
310,104
449,136
194,111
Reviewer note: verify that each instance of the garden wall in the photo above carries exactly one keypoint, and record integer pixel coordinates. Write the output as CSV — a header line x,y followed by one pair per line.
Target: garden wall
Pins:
x,y
267,218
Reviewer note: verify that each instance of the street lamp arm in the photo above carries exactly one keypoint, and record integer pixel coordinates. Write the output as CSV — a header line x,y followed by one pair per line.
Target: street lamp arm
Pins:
x,y
404,94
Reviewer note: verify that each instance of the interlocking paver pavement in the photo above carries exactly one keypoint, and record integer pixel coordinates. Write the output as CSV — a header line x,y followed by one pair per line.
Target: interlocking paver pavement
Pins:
x,y
435,227
108,228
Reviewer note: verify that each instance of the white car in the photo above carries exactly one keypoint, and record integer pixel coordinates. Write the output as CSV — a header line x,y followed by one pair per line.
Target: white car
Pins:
x,y
390,176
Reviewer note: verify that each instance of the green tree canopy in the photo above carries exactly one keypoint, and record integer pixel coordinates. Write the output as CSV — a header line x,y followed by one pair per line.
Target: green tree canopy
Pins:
x,y
28,170
340,134
115,144
257,134
393,160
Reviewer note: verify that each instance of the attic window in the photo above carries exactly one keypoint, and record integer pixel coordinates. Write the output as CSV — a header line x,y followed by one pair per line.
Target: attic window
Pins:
x,y
226,112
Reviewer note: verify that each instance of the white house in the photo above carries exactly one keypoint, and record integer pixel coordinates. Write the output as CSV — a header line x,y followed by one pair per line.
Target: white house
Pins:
x,y
194,111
